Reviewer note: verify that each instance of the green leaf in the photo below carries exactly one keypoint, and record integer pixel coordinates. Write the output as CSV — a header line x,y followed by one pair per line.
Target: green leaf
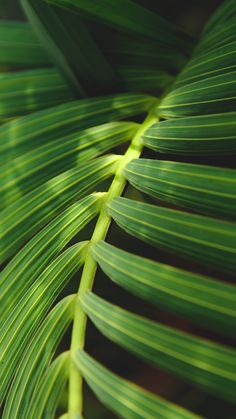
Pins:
x,y
31,169
210,190
72,48
207,302
34,210
25,318
36,358
223,35
19,47
210,95
28,264
122,396
53,381
141,79
199,361
206,240
31,131
120,14
223,13
219,61
27,91
198,135
138,51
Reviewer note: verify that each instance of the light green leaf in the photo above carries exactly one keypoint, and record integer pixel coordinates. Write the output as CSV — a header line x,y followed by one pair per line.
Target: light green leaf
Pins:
x,y
31,169
46,398
27,265
71,47
206,189
36,358
207,302
206,240
210,95
123,397
28,313
199,361
27,91
34,210
31,131
19,47
198,135
120,14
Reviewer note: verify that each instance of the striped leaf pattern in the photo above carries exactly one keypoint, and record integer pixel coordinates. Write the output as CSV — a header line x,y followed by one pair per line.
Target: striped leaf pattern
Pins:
x,y
205,301
19,47
210,190
199,135
107,386
204,363
27,91
170,97
211,241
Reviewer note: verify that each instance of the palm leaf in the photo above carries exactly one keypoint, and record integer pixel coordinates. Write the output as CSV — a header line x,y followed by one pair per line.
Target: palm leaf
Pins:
x,y
209,190
199,135
199,361
211,241
107,386
205,301
19,47
71,47
53,184
26,91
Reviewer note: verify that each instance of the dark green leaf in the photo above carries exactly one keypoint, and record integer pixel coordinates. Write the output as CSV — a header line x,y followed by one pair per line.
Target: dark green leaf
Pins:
x,y
206,189
205,240
19,47
210,95
120,14
212,304
72,48
27,91
198,135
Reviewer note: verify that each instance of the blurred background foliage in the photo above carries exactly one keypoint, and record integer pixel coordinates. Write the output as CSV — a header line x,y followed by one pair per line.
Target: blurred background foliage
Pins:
x,y
191,15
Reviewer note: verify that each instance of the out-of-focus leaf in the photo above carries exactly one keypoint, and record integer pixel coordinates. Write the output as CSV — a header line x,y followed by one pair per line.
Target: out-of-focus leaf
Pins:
x,y
27,91
72,48
143,79
19,47
120,14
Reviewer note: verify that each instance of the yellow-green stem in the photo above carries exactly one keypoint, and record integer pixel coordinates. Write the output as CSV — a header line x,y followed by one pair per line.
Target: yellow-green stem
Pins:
x,y
79,326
